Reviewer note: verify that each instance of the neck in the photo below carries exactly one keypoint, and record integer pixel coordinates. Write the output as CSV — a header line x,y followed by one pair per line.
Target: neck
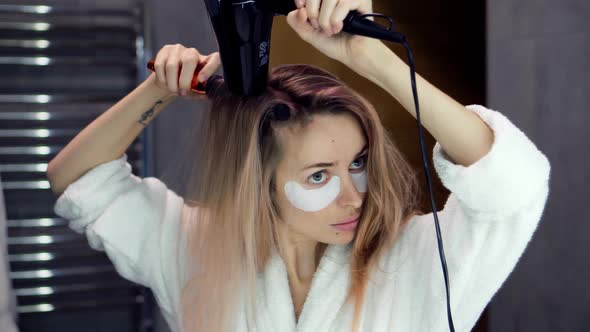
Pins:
x,y
298,252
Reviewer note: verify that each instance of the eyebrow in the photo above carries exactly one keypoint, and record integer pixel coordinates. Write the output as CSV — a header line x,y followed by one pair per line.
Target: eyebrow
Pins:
x,y
330,164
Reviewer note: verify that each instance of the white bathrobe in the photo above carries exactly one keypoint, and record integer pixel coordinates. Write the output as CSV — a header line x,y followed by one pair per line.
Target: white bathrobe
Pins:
x,y
494,207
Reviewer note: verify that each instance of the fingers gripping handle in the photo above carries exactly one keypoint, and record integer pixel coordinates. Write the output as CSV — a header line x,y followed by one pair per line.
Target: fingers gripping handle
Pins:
x,y
196,86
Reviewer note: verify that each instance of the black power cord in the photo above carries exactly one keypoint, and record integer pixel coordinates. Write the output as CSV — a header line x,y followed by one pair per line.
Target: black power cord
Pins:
x,y
356,24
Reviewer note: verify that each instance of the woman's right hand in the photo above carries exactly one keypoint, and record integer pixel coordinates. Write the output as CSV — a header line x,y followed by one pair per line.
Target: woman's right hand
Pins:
x,y
175,67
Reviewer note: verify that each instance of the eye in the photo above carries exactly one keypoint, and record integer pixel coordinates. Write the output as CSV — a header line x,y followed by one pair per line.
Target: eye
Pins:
x,y
315,176
361,161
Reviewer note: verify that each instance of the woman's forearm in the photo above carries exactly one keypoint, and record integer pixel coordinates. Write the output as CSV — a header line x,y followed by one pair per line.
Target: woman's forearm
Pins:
x,y
109,135
460,132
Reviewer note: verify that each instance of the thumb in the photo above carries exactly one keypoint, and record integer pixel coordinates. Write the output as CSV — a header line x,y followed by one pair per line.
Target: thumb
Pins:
x,y
209,66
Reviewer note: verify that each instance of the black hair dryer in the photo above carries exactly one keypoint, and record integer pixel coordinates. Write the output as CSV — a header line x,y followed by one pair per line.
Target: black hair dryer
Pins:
x,y
243,31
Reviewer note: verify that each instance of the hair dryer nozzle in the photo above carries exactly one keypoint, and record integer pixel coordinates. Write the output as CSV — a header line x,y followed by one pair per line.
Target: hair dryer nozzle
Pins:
x,y
243,32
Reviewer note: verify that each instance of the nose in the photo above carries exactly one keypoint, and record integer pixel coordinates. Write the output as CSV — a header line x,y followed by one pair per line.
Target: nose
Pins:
x,y
349,195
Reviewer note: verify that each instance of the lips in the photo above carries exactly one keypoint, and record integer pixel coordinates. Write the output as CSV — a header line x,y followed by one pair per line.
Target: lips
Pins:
x,y
348,221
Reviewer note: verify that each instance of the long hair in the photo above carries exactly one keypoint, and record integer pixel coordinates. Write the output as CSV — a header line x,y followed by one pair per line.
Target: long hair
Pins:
x,y
230,216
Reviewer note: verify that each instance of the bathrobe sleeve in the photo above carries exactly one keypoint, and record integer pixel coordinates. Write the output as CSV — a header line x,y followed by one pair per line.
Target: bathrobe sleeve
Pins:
x,y
490,216
136,221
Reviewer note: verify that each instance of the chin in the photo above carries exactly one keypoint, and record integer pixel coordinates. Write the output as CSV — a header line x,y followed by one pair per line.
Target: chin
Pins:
x,y
341,238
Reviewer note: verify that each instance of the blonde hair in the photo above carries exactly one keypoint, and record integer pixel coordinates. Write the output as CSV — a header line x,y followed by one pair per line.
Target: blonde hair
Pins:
x,y
231,227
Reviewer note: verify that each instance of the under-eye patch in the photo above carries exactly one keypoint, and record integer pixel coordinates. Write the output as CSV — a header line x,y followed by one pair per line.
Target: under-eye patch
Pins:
x,y
360,181
311,200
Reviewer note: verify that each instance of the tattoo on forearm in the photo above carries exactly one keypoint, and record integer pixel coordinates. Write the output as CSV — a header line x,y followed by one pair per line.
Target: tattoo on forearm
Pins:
x,y
147,115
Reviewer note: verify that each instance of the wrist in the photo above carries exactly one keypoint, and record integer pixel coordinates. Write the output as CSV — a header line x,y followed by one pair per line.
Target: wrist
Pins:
x,y
153,89
372,58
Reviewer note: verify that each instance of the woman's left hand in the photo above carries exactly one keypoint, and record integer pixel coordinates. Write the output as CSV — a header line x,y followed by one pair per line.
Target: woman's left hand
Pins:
x,y
320,23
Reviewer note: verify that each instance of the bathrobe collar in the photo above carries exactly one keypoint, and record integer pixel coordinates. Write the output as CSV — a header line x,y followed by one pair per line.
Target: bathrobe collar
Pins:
x,y
323,301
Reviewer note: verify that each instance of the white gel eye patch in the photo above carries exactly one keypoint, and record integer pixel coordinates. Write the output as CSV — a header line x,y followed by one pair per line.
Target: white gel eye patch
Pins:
x,y
316,199
312,199
360,181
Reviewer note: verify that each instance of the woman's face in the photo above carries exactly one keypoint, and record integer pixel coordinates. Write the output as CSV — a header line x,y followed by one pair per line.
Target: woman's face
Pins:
x,y
311,197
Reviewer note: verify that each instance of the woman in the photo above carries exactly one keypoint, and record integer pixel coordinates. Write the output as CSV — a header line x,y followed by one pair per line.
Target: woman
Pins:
x,y
258,235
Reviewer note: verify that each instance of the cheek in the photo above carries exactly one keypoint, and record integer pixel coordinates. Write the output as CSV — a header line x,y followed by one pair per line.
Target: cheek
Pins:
x,y
360,181
312,200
